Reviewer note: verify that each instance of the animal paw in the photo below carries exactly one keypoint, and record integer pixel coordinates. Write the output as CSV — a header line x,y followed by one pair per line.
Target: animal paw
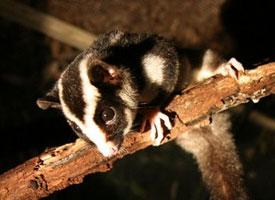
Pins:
x,y
155,117
232,68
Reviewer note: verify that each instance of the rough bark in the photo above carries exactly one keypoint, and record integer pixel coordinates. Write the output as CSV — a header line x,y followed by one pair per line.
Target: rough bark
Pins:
x,y
59,167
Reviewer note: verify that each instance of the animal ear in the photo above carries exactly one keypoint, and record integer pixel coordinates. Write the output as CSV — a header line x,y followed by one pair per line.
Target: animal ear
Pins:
x,y
50,100
101,73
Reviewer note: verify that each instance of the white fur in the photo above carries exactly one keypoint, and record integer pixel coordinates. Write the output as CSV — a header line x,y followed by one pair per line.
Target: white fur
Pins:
x,y
204,74
208,57
127,93
206,71
157,132
232,68
153,66
66,110
90,97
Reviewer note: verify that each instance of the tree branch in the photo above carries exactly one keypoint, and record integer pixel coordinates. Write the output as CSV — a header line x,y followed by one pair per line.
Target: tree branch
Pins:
x,y
59,167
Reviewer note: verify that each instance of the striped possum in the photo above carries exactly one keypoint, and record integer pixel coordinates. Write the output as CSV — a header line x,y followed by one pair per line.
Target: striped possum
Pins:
x,y
104,89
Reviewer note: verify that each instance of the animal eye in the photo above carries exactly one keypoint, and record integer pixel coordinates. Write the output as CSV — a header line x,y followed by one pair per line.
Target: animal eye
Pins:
x,y
108,114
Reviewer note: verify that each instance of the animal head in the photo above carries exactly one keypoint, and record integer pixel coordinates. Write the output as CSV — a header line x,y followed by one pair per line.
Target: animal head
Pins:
x,y
98,100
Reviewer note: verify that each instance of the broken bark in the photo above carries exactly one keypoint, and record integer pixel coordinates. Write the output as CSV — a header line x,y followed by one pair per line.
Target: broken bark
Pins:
x,y
59,167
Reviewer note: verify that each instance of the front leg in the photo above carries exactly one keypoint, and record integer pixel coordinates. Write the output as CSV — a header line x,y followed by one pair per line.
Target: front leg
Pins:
x,y
213,64
154,117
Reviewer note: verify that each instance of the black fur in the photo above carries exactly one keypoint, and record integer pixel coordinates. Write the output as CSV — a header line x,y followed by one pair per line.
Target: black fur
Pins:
x,y
72,92
114,131
126,51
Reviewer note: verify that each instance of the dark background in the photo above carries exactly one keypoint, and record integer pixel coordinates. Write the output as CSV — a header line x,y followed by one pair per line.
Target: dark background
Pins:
x,y
31,62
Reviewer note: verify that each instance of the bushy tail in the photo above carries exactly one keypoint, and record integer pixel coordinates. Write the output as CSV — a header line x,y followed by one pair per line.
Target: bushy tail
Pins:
x,y
214,149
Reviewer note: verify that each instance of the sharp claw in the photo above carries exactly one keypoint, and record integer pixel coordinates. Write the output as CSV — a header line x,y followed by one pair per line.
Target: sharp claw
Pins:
x,y
231,72
236,64
153,132
232,68
159,130
155,118
166,120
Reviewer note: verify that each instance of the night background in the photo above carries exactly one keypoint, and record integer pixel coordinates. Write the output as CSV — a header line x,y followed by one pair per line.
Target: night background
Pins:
x,y
31,62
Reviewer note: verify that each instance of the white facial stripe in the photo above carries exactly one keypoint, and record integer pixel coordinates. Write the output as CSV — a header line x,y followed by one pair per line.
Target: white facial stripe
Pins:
x,y
90,97
109,149
153,66
66,110
89,130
